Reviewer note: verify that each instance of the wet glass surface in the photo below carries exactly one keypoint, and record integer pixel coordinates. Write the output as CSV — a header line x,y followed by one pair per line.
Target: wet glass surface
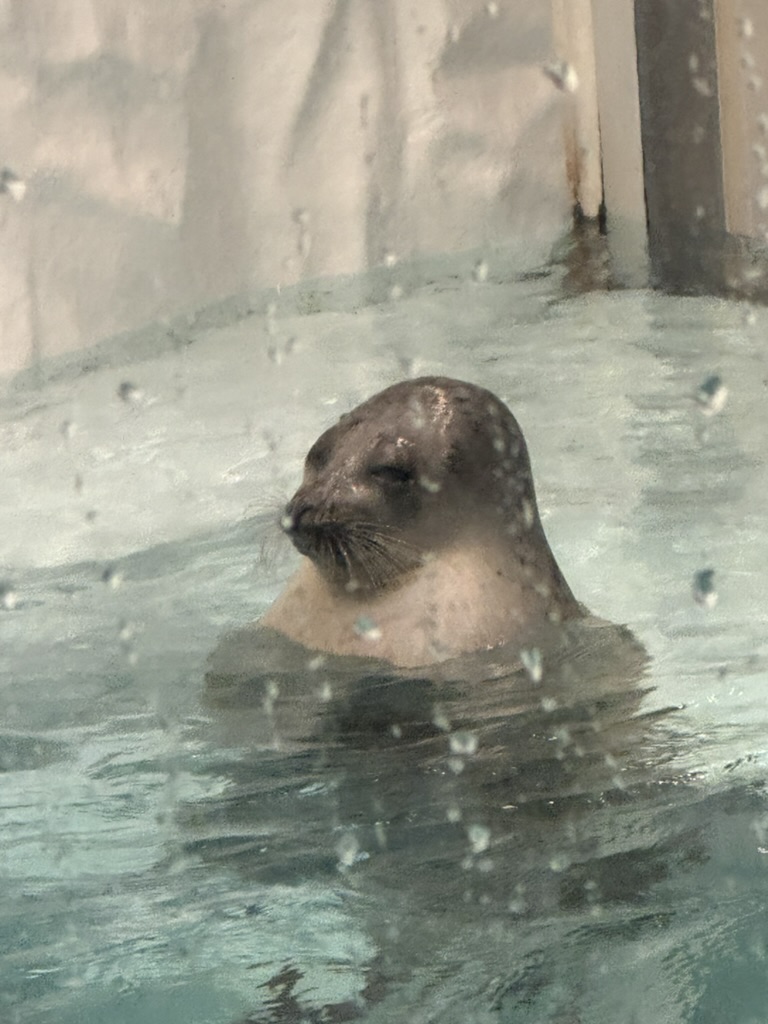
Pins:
x,y
317,840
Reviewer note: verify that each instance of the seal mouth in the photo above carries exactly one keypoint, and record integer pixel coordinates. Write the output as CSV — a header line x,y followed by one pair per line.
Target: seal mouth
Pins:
x,y
355,555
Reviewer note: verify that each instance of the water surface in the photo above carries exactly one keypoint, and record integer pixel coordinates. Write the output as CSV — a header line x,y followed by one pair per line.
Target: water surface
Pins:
x,y
591,848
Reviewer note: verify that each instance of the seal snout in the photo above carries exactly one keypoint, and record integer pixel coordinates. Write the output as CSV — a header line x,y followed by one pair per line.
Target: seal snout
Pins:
x,y
298,523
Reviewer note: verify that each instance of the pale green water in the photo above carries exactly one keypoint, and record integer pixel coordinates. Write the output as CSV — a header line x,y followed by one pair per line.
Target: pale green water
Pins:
x,y
155,869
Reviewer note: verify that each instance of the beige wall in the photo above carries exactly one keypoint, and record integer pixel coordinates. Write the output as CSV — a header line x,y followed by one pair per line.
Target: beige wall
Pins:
x,y
178,153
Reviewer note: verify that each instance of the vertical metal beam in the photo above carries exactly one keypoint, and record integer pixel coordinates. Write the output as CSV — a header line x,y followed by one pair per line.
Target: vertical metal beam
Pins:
x,y
677,69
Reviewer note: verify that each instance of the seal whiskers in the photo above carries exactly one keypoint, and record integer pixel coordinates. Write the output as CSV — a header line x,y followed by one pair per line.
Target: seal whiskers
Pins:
x,y
383,555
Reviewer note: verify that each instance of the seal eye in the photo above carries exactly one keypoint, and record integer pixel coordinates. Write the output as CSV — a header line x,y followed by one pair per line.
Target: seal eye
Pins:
x,y
388,474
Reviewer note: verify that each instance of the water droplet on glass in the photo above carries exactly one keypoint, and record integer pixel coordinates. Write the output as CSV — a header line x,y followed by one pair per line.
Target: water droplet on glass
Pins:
x,y
316,663
396,731
325,693
704,592
12,185
389,259
533,663
492,8
129,393
702,86
549,704
562,74
272,689
302,218
396,292
480,272
456,764
563,736
367,628
126,631
712,395
112,577
431,486
440,719
453,814
68,429
463,742
407,365
560,862
348,851
528,513
8,597
746,28
479,838
270,323
762,198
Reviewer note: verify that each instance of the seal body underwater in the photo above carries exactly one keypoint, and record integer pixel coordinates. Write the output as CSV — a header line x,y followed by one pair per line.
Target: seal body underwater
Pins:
x,y
422,540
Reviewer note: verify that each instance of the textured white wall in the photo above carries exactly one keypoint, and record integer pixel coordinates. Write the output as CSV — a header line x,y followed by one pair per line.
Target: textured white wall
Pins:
x,y
180,152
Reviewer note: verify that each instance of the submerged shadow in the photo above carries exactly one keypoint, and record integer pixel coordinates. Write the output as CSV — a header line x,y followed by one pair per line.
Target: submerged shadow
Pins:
x,y
491,792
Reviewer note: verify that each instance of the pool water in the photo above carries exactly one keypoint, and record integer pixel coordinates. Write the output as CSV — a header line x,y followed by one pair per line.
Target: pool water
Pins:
x,y
339,842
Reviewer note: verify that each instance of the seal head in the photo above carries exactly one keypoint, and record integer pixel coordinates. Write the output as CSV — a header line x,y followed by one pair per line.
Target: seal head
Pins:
x,y
417,516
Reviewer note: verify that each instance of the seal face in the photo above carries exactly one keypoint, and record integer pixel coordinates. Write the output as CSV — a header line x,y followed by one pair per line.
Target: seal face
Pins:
x,y
417,516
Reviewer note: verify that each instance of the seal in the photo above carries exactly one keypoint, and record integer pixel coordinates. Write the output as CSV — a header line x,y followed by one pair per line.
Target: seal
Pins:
x,y
421,537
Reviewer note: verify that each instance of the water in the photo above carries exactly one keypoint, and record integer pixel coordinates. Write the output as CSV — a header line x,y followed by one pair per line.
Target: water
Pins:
x,y
459,851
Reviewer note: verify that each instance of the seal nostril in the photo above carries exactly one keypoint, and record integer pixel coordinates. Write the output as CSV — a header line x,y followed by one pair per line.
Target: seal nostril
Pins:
x,y
298,523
